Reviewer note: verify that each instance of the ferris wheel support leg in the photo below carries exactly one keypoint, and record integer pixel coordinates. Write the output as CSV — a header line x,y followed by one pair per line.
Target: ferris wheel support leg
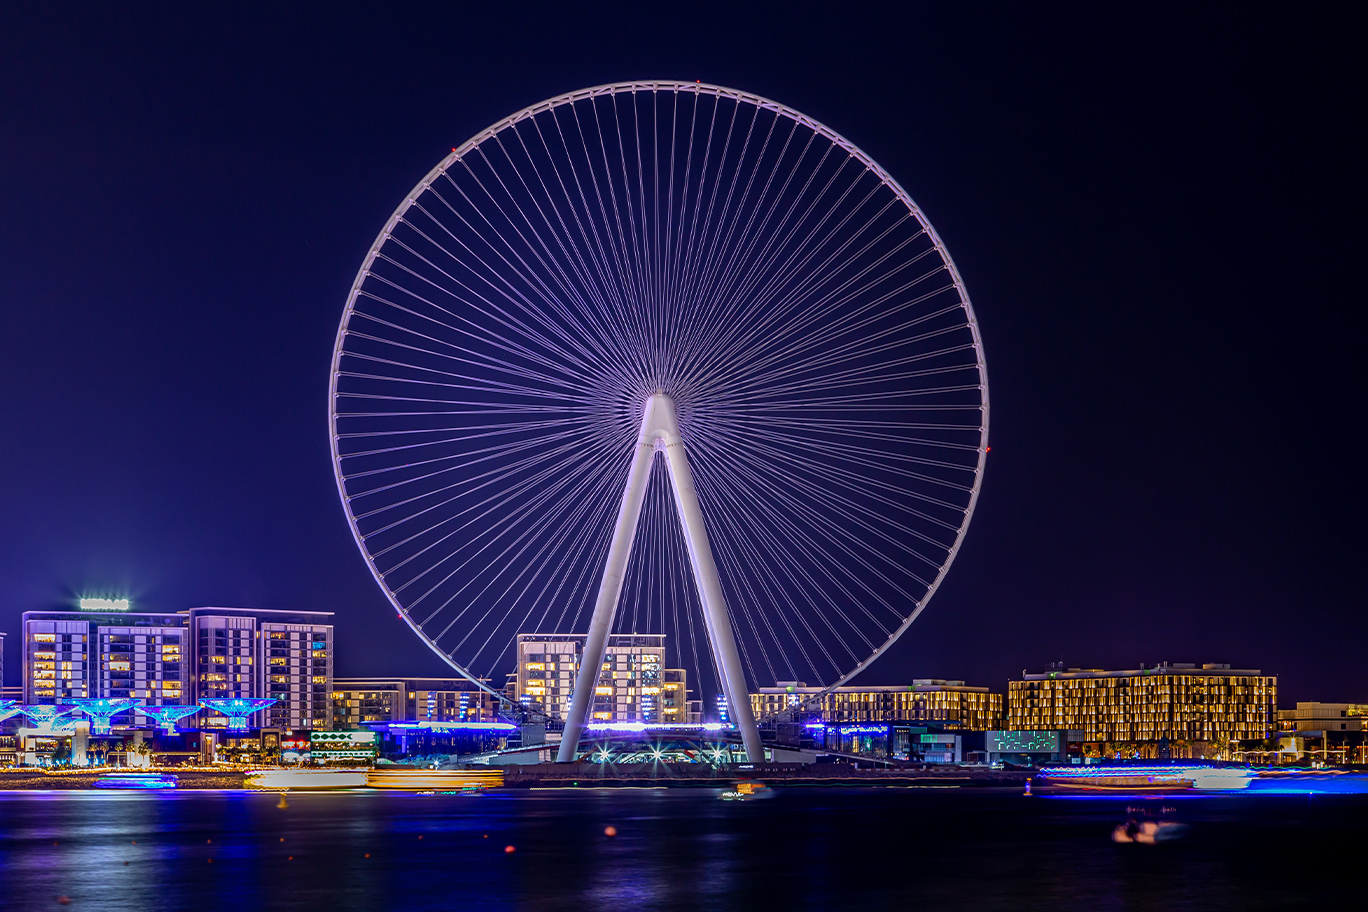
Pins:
x,y
714,603
610,589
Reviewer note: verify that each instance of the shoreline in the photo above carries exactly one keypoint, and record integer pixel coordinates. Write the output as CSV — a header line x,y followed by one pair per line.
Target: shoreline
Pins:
x,y
565,776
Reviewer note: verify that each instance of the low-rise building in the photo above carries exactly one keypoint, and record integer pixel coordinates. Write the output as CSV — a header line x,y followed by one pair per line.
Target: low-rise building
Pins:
x,y
1328,732
357,701
924,700
1179,709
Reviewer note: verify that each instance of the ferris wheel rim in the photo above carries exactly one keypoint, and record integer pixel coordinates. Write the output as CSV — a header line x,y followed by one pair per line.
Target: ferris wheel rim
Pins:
x,y
676,86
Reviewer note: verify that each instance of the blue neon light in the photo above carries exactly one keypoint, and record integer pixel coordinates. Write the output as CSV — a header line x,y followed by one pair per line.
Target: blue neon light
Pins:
x,y
168,716
43,715
649,726
135,781
238,709
101,711
453,726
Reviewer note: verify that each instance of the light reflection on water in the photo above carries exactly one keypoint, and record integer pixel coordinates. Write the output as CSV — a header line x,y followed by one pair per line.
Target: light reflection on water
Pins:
x,y
678,849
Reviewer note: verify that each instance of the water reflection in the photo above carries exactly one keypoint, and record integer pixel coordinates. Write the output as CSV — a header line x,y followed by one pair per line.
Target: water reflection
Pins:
x,y
678,849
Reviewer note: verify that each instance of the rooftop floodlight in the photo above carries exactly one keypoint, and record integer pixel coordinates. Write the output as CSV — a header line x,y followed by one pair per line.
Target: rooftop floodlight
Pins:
x,y
101,710
168,716
238,709
44,715
9,708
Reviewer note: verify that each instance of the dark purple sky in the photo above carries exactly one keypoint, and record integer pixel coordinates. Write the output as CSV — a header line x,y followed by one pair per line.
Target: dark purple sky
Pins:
x,y
1160,221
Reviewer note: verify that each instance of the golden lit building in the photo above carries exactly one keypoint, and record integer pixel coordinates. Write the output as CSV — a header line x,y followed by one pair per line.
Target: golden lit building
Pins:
x,y
924,700
1177,702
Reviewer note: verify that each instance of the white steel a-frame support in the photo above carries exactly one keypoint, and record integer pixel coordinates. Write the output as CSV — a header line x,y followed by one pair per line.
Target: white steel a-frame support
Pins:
x,y
660,430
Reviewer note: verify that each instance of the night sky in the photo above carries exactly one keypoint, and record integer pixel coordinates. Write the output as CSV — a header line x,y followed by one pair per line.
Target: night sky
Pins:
x,y
1159,220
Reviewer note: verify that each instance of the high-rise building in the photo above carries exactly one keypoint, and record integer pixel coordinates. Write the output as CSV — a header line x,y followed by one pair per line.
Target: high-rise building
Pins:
x,y
633,685
104,653
1169,702
356,701
252,653
924,700
2,659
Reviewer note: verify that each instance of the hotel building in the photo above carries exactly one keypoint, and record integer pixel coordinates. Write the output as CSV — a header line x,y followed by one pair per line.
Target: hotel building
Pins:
x,y
1172,702
356,701
104,653
924,700
633,685
251,653
182,657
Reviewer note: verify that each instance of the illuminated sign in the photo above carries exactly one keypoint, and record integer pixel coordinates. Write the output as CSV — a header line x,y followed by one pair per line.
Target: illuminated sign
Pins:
x,y
100,604
1025,742
356,737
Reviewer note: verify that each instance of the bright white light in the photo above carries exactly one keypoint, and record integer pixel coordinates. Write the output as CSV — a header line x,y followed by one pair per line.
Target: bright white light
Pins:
x,y
307,779
98,604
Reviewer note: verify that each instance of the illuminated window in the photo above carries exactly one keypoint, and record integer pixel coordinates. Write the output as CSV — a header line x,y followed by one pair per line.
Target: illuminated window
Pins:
x,y
280,661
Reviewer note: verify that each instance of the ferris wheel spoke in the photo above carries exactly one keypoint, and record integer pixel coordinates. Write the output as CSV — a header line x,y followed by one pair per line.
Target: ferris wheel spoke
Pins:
x,y
574,508
852,546
850,304
488,536
618,312
509,293
736,551
474,382
611,348
756,525
708,243
539,454
763,268
449,320
821,476
526,558
476,512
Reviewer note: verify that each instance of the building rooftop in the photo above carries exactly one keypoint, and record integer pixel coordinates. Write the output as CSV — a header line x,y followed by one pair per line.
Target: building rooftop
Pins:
x,y
1163,668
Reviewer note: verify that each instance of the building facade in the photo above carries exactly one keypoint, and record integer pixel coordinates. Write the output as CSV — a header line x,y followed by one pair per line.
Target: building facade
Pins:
x,y
255,653
356,701
633,685
1329,732
924,700
104,654
1210,704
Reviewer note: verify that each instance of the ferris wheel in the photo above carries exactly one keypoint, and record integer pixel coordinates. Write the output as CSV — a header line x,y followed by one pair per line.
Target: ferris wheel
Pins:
x,y
660,357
